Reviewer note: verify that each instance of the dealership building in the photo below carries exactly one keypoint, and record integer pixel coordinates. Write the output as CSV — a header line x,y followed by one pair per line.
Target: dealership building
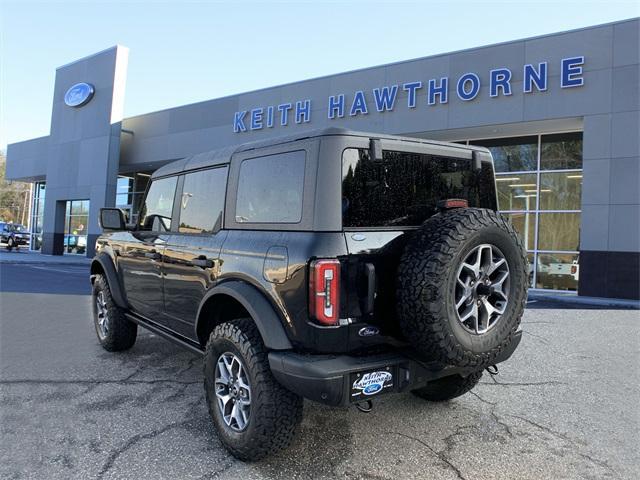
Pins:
x,y
559,112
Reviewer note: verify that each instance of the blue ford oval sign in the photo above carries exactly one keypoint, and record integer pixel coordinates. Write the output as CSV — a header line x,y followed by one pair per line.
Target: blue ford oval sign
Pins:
x,y
79,94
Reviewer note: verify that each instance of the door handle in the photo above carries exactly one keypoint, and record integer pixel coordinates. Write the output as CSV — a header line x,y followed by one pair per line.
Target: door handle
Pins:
x,y
202,262
153,255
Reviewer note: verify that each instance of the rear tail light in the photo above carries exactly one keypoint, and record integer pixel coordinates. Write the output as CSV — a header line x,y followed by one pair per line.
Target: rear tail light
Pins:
x,y
574,269
324,291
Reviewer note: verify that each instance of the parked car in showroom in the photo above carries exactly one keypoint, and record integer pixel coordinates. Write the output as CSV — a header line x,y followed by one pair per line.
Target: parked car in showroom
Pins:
x,y
13,235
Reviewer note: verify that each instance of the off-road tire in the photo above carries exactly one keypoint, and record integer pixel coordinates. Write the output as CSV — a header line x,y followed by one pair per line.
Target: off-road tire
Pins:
x,y
426,275
448,388
275,411
122,332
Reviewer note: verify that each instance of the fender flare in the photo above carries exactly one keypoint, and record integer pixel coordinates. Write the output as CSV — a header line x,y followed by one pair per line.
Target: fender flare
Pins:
x,y
261,311
112,278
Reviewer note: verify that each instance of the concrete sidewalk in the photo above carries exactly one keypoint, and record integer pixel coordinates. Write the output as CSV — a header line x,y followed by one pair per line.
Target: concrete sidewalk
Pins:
x,y
29,257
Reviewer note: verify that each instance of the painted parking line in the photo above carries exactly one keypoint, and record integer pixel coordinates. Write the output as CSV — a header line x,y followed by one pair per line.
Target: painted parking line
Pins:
x,y
72,270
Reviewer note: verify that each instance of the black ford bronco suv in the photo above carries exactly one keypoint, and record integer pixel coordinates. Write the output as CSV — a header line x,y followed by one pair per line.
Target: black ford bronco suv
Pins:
x,y
335,266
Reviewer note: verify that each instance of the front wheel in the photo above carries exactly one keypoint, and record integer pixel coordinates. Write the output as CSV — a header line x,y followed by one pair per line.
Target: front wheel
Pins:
x,y
10,244
253,414
115,332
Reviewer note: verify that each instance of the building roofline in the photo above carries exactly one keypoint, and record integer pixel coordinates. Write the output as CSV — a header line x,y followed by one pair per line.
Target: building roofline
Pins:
x,y
385,65
115,47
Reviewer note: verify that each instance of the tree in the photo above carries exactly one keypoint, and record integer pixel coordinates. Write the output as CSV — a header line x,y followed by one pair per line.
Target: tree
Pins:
x,y
14,197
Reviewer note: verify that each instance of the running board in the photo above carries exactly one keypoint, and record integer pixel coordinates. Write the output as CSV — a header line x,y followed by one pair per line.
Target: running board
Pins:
x,y
167,334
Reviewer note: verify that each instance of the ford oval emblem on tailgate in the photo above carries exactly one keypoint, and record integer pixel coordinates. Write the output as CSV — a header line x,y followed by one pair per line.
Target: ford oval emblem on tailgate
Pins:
x,y
368,331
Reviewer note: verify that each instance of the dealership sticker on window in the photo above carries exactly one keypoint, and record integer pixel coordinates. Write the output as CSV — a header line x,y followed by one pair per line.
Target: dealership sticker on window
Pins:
x,y
371,383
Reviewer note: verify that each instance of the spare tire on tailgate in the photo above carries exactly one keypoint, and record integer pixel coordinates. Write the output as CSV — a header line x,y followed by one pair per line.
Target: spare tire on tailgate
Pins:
x,y
462,287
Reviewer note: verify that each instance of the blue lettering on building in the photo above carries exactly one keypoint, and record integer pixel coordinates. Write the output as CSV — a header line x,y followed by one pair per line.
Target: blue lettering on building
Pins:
x,y
303,111
572,72
270,117
238,122
359,104
411,88
336,106
468,86
438,90
256,118
435,90
284,113
385,98
537,77
499,79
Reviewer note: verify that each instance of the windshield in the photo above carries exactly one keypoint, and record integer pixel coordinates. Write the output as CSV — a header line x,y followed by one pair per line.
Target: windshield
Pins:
x,y
404,188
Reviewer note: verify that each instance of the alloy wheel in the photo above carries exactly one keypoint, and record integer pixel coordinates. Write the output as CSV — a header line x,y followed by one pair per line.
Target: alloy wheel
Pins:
x,y
233,391
102,314
482,289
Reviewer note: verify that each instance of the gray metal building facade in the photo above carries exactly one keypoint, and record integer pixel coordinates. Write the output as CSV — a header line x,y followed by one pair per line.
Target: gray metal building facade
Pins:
x,y
560,112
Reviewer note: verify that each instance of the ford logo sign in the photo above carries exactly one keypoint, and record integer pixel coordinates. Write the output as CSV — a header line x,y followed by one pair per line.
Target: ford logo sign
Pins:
x,y
373,388
368,331
79,94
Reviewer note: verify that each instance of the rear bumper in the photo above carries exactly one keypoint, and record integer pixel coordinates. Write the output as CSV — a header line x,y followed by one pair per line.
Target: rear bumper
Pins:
x,y
343,380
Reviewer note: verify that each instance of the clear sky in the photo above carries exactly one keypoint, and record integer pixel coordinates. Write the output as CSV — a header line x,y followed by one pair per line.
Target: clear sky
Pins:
x,y
183,51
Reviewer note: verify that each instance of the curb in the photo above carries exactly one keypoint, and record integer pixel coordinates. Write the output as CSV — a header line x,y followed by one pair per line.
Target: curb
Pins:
x,y
576,299
66,264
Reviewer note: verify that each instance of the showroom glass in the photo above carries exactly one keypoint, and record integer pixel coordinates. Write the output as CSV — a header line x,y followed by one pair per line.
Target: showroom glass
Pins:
x,y
130,191
202,201
517,192
155,214
76,226
37,215
515,154
270,189
542,198
561,151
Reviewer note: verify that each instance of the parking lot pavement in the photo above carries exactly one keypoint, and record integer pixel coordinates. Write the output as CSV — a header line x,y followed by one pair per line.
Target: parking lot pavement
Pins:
x,y
564,407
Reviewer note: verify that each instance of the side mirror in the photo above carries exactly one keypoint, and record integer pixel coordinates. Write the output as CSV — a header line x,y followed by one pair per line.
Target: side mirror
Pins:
x,y
112,219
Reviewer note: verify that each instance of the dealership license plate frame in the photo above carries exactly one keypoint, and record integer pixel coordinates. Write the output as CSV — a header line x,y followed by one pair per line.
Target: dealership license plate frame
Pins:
x,y
389,385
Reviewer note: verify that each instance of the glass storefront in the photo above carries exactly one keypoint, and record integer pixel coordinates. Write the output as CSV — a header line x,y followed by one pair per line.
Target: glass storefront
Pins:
x,y
75,226
129,193
37,214
539,186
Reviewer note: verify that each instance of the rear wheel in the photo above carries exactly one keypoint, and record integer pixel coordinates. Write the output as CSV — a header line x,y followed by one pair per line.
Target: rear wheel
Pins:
x,y
253,414
447,388
10,244
462,286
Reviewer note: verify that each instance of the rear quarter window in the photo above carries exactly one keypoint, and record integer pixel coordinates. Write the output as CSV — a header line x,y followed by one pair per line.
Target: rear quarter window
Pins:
x,y
270,189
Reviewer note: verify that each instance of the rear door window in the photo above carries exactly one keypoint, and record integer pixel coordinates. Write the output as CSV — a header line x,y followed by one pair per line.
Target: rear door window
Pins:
x,y
202,201
270,189
404,188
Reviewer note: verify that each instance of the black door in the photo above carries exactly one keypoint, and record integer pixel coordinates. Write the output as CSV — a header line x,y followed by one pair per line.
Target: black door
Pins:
x,y
191,258
141,254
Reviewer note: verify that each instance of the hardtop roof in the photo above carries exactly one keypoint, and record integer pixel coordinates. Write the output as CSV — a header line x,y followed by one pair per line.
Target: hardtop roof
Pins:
x,y
223,155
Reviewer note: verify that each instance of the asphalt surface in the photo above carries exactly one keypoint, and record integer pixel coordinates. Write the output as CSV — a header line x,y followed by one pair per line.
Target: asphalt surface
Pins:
x,y
564,407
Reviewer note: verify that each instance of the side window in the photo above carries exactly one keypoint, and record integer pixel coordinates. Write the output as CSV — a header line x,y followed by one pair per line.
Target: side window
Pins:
x,y
202,201
155,214
270,189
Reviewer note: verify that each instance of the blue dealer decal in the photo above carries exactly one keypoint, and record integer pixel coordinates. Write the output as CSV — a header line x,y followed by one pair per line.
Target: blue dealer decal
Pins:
x,y
372,383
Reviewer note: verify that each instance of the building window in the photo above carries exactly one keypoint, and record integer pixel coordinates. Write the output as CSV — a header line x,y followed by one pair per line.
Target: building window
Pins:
x,y
129,193
75,226
539,186
37,215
